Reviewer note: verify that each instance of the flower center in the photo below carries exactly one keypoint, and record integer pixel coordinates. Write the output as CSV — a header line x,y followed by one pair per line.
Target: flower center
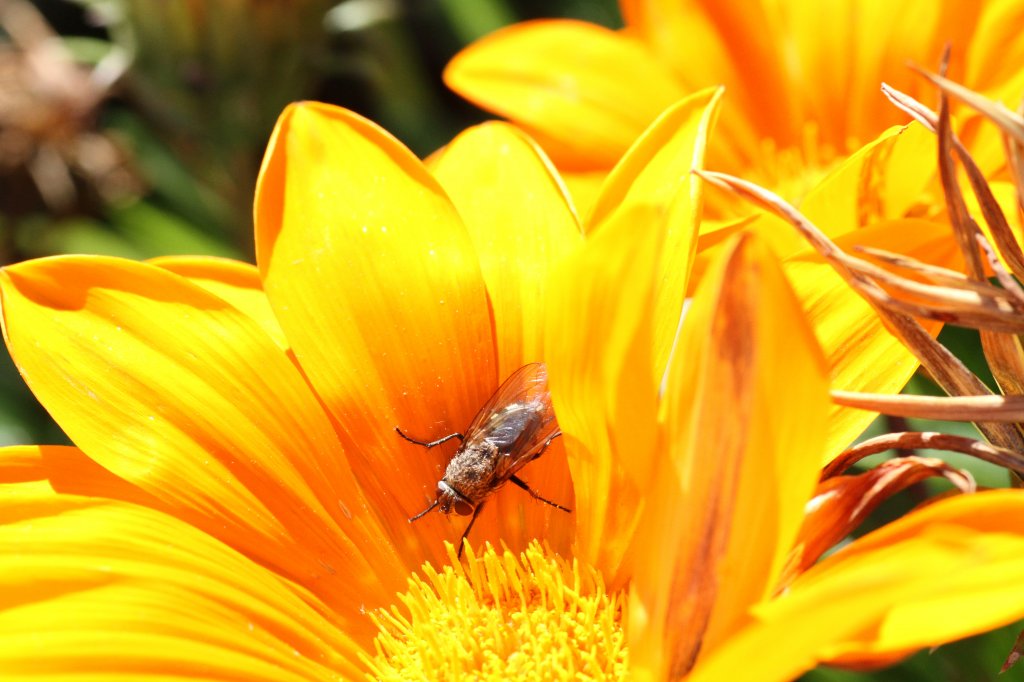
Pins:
x,y
503,616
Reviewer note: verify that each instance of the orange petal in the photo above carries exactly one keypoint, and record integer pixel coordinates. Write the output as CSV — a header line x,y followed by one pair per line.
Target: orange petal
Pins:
x,y
842,503
603,383
699,41
862,354
788,63
106,590
522,224
182,395
656,173
377,286
236,282
583,92
948,571
743,419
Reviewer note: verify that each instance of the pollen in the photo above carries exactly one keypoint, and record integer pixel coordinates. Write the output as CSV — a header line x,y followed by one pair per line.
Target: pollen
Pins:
x,y
500,616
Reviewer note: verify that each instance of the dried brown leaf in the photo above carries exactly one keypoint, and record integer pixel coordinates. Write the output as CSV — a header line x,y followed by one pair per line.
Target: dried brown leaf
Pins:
x,y
924,440
842,503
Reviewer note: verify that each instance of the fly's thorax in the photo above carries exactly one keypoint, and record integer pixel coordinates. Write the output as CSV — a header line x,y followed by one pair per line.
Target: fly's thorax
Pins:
x,y
471,472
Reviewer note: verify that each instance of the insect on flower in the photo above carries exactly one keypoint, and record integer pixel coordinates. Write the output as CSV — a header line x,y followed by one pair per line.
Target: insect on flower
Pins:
x,y
512,429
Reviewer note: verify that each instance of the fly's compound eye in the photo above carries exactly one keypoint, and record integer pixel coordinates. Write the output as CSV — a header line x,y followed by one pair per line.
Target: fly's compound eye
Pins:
x,y
445,501
463,508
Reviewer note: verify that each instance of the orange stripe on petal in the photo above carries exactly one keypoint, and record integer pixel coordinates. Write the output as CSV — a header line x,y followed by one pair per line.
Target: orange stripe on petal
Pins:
x,y
103,589
882,180
584,92
993,60
182,395
522,225
743,417
21,463
378,287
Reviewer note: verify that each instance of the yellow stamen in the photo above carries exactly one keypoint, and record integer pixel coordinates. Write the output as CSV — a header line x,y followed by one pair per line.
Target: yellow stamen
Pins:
x,y
503,616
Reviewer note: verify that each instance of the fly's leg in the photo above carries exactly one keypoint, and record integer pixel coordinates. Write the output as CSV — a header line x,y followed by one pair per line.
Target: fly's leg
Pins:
x,y
544,447
462,540
424,512
522,484
430,444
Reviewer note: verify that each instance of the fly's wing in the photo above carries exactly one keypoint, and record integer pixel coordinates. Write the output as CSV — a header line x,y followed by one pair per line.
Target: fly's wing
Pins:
x,y
526,384
518,419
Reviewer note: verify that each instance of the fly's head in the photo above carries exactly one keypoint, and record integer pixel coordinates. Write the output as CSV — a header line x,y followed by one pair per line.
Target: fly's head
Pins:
x,y
449,499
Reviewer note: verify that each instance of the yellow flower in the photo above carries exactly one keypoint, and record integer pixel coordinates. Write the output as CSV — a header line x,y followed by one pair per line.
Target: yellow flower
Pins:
x,y
236,502
802,78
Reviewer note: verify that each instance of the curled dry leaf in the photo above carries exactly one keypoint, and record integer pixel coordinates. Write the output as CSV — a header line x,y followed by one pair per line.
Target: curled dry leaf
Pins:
x,y
841,503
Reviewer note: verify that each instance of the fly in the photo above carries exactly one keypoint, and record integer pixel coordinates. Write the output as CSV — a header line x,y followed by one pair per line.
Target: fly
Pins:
x,y
512,429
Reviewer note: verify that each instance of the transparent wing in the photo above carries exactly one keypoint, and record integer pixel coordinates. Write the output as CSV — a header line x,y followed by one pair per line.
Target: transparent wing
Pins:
x,y
518,419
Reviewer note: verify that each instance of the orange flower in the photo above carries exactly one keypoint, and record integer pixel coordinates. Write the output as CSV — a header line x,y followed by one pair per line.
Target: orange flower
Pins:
x,y
802,78
236,502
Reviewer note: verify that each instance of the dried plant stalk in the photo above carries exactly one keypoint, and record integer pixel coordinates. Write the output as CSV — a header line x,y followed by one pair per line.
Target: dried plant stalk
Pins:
x,y
917,440
951,374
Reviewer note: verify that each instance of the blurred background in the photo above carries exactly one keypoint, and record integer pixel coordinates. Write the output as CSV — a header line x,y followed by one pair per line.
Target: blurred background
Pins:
x,y
136,128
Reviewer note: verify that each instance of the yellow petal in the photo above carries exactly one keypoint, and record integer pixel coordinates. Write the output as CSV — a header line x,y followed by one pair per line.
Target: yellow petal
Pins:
x,y
377,286
105,590
881,180
582,91
948,571
584,188
978,541
603,385
743,417
656,173
236,282
862,354
182,395
715,234
522,225
657,166
994,59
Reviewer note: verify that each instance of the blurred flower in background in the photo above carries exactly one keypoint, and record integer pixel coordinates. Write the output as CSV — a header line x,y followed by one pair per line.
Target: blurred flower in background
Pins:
x,y
802,78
